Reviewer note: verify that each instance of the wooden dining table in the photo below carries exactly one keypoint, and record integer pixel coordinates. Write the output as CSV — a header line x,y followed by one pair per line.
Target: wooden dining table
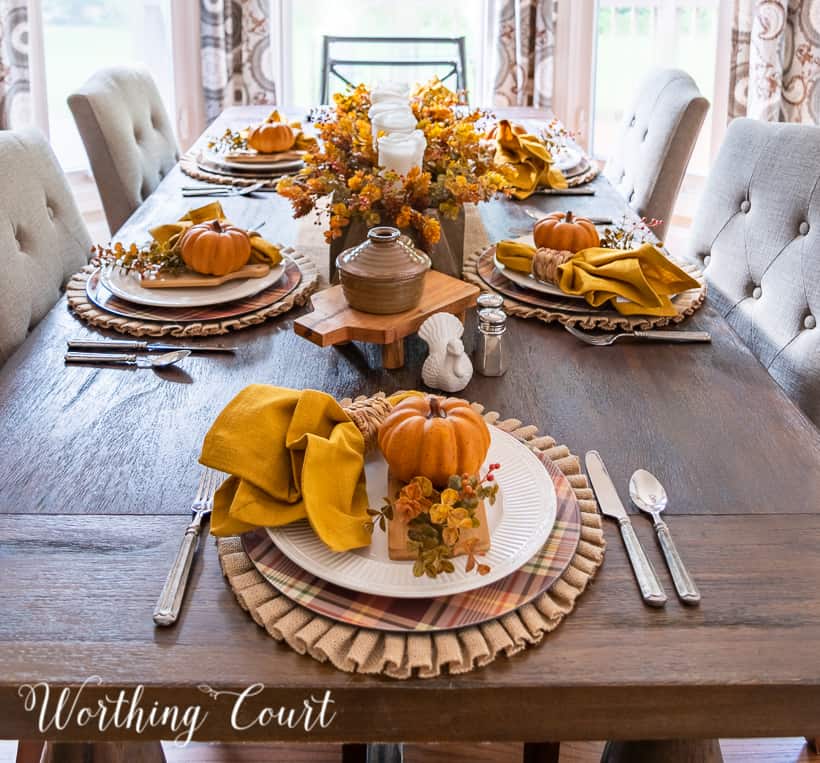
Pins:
x,y
99,468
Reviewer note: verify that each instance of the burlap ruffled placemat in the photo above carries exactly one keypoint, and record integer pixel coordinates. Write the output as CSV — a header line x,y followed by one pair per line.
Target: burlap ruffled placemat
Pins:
x,y
86,310
685,304
584,177
373,652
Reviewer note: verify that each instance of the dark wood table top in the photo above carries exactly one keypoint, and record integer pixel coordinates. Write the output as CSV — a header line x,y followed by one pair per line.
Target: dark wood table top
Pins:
x,y
99,466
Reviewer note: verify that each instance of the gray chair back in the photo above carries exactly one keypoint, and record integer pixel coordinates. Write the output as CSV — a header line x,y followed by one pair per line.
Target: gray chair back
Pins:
x,y
43,239
656,141
127,135
757,236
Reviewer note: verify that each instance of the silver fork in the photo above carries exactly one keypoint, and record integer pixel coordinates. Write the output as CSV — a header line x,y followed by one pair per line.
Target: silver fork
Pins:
x,y
604,340
170,600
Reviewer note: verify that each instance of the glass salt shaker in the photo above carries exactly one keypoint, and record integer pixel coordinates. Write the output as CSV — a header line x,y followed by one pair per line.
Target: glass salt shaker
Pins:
x,y
488,299
490,354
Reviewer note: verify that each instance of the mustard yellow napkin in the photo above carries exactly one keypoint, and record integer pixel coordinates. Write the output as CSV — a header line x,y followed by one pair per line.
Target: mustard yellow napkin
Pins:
x,y
527,159
291,454
261,250
643,276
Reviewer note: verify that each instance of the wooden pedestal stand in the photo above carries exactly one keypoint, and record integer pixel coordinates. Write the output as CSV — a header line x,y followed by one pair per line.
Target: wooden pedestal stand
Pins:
x,y
333,321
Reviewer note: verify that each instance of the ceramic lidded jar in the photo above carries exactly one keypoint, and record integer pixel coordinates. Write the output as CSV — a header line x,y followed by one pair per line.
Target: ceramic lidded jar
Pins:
x,y
383,274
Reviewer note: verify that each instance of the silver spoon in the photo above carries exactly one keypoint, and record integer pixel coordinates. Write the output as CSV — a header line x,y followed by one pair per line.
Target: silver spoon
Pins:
x,y
649,496
123,359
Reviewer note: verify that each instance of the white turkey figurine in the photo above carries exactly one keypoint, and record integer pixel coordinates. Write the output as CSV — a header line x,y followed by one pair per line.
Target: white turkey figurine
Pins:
x,y
448,366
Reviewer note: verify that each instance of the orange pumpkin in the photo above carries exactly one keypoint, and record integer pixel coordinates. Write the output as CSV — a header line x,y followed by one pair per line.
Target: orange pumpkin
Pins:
x,y
271,137
565,232
215,248
433,437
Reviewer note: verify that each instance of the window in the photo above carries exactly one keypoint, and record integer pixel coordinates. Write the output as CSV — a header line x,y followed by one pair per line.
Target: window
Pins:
x,y
307,21
634,36
82,36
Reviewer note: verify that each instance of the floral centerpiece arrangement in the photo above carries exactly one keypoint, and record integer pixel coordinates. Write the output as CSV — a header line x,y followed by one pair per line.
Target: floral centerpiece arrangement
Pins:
x,y
457,167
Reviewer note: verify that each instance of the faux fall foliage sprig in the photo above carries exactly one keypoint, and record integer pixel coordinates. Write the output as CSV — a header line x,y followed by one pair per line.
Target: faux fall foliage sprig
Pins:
x,y
149,259
458,166
435,519
629,233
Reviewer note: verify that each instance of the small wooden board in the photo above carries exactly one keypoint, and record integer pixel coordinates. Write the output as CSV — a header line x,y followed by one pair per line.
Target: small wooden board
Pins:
x,y
397,533
189,279
333,321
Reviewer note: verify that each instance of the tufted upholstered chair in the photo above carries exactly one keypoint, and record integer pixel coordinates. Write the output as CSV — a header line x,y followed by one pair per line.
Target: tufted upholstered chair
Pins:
x,y
42,237
127,135
658,135
757,235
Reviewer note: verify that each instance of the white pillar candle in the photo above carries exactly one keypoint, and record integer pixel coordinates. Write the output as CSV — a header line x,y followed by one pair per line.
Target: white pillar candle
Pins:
x,y
390,91
400,152
395,120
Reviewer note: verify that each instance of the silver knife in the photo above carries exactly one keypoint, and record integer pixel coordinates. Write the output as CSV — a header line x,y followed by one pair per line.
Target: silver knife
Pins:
x,y
137,346
611,506
565,192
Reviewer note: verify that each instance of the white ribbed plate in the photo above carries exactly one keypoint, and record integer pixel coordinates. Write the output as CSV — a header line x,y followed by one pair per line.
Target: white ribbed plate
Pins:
x,y
520,523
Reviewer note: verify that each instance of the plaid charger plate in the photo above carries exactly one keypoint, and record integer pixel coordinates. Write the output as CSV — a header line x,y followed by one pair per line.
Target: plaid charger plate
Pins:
x,y
428,614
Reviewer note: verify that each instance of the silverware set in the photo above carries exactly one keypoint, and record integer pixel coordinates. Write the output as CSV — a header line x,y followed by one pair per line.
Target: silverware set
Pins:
x,y
224,190
604,340
169,603
119,352
649,496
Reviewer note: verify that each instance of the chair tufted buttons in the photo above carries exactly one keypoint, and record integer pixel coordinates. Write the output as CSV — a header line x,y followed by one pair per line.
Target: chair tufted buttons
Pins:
x,y
757,292
745,205
804,228
50,211
809,322
632,121
707,258
644,136
631,195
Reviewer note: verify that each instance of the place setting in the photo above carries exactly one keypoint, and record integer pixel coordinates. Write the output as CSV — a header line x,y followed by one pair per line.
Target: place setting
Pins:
x,y
588,273
249,160
197,276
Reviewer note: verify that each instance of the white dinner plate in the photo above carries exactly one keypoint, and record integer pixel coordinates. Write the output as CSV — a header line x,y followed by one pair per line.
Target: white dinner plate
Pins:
x,y
217,161
527,280
571,161
520,523
127,286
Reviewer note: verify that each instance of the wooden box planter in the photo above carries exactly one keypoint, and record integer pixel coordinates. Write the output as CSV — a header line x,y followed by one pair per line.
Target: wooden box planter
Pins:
x,y
447,255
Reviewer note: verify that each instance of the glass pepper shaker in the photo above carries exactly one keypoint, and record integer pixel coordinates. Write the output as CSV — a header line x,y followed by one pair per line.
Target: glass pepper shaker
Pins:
x,y
490,354
489,299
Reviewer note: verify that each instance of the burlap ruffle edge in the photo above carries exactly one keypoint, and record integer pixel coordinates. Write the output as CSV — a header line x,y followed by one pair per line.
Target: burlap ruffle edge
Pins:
x,y
190,166
401,656
686,304
83,308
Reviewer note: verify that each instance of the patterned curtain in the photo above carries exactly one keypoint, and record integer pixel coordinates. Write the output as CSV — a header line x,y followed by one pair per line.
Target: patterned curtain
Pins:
x,y
15,103
525,46
236,54
776,61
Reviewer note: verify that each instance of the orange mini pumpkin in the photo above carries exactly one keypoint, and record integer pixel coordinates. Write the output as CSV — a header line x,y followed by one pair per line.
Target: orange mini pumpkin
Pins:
x,y
271,137
565,232
215,248
433,437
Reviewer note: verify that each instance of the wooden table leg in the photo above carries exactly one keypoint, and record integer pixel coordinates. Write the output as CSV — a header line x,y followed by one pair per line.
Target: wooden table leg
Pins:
x,y
541,752
354,753
30,751
393,354
814,743
103,752
661,751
